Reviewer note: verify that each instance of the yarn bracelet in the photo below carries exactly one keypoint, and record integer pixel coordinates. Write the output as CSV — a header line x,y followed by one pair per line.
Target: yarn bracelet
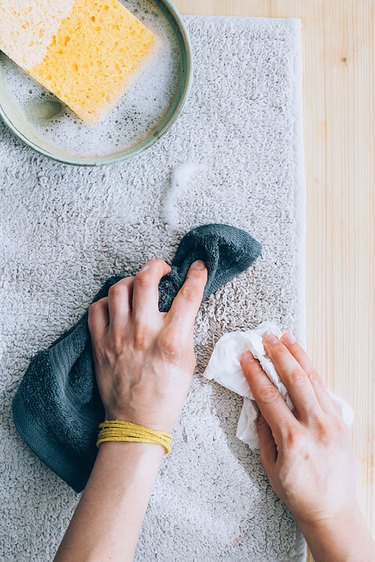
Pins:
x,y
116,430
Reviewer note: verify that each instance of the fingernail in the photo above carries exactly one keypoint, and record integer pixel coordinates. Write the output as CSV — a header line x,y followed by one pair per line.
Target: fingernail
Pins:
x,y
144,268
247,356
271,339
288,338
198,265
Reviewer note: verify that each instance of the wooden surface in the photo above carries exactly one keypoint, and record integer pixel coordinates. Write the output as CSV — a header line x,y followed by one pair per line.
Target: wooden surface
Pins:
x,y
339,120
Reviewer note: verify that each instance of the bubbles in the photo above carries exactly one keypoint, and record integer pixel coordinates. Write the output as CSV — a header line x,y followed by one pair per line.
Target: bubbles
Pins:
x,y
139,111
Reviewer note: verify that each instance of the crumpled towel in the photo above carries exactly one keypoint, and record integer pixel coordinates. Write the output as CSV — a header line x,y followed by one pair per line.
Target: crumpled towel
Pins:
x,y
224,368
57,407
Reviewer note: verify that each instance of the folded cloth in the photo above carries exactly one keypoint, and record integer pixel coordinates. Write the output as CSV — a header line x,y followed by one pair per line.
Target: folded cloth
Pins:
x,y
57,407
224,367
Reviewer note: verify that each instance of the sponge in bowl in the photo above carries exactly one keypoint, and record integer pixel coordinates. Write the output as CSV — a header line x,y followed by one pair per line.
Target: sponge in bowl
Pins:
x,y
84,51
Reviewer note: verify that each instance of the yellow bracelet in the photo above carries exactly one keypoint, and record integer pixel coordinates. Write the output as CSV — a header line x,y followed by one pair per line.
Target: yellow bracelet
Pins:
x,y
116,430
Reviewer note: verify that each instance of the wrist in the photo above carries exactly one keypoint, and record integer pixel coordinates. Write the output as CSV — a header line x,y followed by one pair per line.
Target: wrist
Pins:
x,y
141,460
128,449
111,415
349,516
344,537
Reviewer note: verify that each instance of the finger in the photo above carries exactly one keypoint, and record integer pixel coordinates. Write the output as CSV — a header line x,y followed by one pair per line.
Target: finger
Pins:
x,y
267,445
146,289
188,299
269,400
303,359
98,318
119,303
294,377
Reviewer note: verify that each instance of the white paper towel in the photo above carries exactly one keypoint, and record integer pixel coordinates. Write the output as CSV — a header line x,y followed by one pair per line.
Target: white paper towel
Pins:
x,y
224,368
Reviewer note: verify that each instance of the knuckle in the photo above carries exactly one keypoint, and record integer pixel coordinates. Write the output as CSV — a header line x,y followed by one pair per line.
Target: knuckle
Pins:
x,y
93,308
189,292
117,343
141,338
97,305
297,377
170,341
314,376
293,439
326,435
158,262
340,426
269,395
144,279
116,291
325,428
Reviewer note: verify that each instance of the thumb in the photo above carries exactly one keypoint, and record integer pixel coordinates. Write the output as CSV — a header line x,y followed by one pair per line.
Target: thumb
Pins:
x,y
267,446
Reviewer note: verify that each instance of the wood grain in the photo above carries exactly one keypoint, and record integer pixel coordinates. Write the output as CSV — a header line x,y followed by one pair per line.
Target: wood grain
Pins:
x,y
339,119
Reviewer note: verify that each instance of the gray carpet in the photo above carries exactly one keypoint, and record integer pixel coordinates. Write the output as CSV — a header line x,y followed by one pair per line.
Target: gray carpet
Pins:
x,y
64,230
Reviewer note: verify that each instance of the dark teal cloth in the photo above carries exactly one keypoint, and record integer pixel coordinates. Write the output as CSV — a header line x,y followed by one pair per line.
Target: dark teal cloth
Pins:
x,y
57,407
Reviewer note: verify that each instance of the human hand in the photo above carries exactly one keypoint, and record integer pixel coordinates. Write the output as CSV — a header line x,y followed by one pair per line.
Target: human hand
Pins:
x,y
144,359
307,454
144,362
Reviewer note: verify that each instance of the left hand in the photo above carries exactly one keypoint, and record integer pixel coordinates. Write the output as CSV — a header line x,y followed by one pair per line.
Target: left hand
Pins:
x,y
144,359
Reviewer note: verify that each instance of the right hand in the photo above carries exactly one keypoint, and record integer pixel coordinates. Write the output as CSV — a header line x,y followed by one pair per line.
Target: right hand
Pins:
x,y
307,453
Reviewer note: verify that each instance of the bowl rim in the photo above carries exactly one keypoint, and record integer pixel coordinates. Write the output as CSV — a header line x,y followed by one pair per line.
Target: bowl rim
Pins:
x,y
181,96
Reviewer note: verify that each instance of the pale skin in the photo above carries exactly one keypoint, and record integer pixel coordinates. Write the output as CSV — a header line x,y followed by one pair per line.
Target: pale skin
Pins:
x,y
144,363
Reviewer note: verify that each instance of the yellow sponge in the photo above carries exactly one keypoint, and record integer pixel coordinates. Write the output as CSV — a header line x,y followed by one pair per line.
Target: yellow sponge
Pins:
x,y
85,53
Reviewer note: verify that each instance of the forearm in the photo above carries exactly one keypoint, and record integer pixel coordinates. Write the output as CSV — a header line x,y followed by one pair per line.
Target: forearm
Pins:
x,y
108,519
346,539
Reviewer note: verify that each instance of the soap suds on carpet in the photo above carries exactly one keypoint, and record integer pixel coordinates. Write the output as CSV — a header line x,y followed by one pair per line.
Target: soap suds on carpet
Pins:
x,y
179,183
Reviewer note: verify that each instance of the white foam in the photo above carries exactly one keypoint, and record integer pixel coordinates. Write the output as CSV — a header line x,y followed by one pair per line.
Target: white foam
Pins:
x,y
180,178
140,110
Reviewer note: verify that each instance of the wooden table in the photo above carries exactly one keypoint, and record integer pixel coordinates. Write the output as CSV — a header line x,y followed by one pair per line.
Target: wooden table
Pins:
x,y
339,120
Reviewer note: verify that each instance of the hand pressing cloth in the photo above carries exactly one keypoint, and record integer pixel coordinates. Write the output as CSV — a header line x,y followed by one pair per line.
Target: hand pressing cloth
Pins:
x,y
57,407
224,368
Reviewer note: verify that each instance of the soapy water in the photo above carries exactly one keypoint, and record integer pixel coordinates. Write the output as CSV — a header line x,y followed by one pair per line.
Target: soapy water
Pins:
x,y
139,110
